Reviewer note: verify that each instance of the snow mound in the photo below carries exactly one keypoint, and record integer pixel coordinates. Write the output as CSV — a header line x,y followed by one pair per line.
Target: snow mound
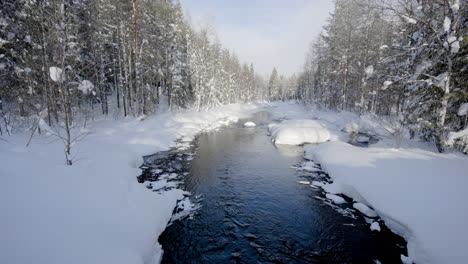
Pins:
x,y
298,132
249,124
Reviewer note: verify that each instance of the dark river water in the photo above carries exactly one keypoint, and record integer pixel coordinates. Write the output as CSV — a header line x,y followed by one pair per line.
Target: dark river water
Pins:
x,y
253,210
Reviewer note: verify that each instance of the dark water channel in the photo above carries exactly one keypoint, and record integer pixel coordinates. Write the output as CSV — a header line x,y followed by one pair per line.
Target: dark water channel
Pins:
x,y
253,210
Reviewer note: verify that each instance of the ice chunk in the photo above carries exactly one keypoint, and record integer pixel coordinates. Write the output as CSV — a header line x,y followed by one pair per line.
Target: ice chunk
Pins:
x,y
304,182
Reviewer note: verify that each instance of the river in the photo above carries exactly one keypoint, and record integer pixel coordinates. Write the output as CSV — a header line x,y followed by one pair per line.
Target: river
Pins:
x,y
252,208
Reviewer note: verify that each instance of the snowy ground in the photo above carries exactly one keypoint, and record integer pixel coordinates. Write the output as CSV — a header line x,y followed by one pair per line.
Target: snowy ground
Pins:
x,y
94,211
419,193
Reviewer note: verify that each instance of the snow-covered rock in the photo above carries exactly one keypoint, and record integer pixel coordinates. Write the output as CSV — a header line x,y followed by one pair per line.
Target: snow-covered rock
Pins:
x,y
375,226
298,132
335,198
365,209
318,184
249,124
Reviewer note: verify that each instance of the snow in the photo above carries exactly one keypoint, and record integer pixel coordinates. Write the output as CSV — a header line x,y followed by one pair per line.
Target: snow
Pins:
x,y
308,166
318,184
386,85
369,71
249,124
298,132
447,24
94,211
365,209
362,139
383,47
351,128
455,47
406,260
463,110
56,74
409,19
335,198
86,87
44,127
418,193
375,226
460,135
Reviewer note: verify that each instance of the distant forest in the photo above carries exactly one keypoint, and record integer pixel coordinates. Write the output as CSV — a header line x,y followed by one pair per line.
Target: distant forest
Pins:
x,y
63,62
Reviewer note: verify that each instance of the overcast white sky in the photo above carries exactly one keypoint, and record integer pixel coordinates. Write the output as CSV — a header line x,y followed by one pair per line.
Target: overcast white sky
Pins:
x,y
269,33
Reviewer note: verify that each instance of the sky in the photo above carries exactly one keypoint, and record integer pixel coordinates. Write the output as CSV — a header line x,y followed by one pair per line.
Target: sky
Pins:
x,y
267,33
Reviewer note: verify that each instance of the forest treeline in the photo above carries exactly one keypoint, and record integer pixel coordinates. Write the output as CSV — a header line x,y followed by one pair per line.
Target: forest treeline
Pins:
x,y
64,61
62,57
406,58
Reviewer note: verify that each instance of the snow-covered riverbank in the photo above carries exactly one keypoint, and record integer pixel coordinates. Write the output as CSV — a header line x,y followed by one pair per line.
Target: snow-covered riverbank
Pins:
x,y
418,192
94,211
